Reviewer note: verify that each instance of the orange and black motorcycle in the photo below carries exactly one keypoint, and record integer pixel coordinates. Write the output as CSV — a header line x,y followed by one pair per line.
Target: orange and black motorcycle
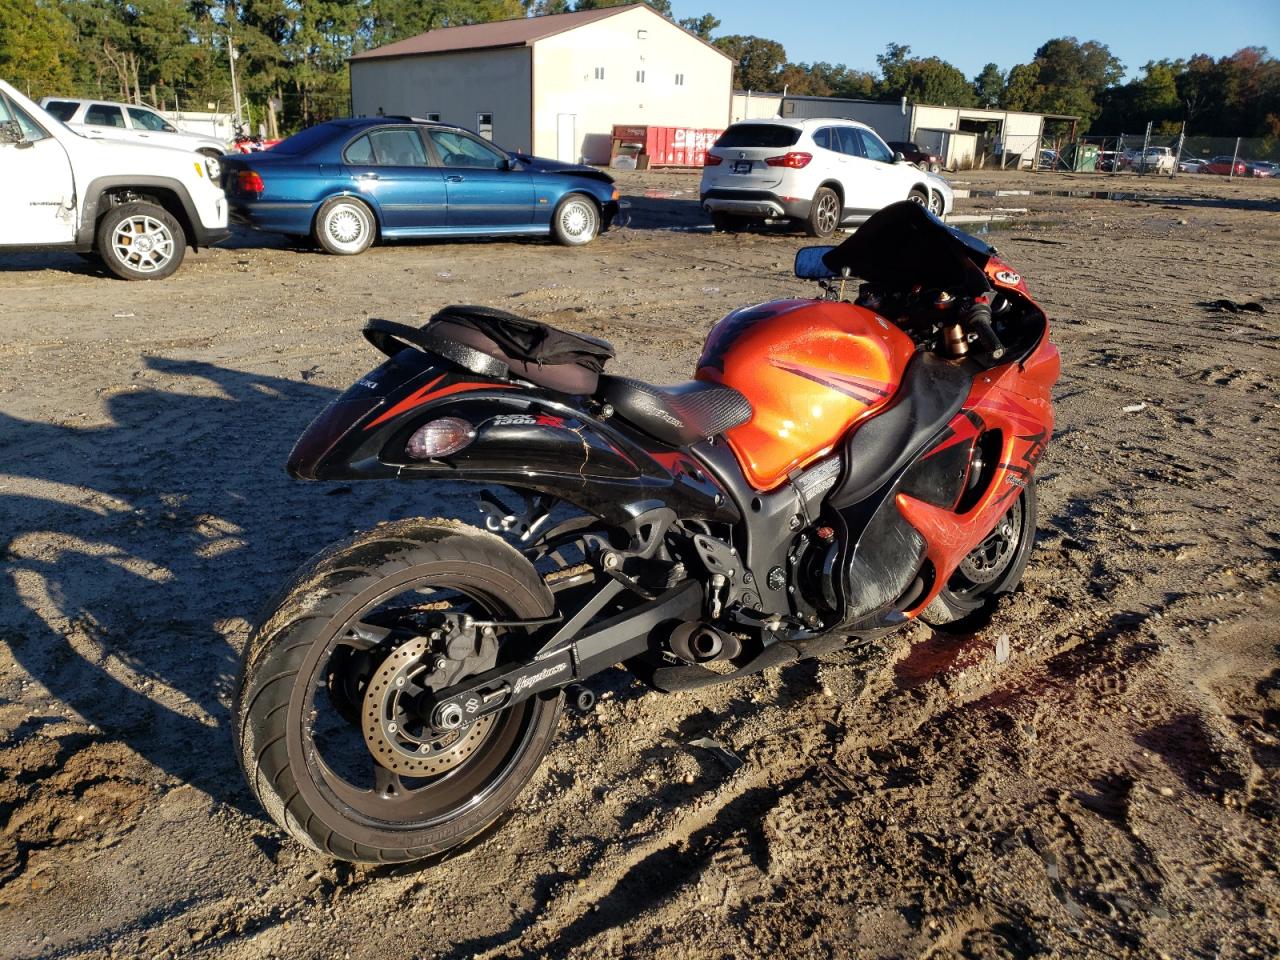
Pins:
x,y
838,467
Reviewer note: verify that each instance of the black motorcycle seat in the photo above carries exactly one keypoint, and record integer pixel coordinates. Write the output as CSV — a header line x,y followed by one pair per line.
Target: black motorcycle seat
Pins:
x,y
679,414
932,392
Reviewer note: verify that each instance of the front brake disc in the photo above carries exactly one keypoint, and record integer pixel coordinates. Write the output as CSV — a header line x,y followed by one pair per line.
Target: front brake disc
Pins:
x,y
396,736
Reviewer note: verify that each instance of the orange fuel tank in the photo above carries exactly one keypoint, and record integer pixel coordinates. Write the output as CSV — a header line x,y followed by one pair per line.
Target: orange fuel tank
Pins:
x,y
811,369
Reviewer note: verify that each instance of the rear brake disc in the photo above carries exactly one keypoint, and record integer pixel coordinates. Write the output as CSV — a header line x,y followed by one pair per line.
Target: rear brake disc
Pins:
x,y
396,736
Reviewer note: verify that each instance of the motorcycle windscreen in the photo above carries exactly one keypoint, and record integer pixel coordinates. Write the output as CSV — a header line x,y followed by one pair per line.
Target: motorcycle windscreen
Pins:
x,y
904,245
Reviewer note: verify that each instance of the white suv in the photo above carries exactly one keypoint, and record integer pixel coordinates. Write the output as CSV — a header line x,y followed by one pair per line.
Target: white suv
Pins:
x,y
138,207
821,172
126,121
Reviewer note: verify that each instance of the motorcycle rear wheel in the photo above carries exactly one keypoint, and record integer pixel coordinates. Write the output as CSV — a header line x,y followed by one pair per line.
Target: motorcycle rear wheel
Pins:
x,y
993,568
300,698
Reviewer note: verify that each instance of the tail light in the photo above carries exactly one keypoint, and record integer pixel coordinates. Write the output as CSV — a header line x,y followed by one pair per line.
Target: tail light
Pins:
x,y
795,160
248,181
439,438
711,160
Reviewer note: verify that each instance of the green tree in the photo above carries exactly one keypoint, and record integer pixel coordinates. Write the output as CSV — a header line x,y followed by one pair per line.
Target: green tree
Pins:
x,y
895,74
759,61
1072,75
988,86
932,80
661,6
1021,88
701,26
36,45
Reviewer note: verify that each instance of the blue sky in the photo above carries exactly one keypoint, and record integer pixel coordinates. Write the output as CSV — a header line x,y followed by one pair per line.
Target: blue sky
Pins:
x,y
970,35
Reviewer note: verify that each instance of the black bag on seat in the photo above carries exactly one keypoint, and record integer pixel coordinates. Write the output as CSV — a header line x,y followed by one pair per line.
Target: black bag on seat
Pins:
x,y
538,352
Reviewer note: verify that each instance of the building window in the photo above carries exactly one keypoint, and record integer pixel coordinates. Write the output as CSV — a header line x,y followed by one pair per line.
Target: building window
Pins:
x,y
599,73
433,118
484,125
639,76
679,79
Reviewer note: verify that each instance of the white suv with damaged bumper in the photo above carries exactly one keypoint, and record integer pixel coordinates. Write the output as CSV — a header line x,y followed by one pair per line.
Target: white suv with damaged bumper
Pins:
x,y
820,172
137,206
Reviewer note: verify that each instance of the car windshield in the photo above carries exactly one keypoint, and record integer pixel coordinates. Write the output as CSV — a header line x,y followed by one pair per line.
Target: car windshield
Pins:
x,y
758,135
306,140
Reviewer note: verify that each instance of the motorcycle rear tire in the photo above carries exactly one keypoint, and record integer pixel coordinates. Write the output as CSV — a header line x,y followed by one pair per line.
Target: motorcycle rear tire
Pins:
x,y
285,663
960,603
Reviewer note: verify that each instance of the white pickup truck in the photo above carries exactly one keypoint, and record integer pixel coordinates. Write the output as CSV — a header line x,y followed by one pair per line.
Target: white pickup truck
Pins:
x,y
137,206
1155,160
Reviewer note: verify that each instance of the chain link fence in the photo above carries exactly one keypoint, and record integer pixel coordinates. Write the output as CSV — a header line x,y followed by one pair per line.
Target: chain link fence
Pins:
x,y
1150,154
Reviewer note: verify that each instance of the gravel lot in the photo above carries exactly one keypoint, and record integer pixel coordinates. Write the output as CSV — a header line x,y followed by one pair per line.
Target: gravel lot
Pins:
x,y
1111,789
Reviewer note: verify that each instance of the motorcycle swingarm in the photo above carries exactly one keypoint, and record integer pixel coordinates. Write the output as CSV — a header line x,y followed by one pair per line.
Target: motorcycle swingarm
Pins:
x,y
610,641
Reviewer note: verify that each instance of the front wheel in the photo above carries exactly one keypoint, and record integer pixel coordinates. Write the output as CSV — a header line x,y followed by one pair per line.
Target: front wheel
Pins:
x,y
328,709
992,568
140,241
576,221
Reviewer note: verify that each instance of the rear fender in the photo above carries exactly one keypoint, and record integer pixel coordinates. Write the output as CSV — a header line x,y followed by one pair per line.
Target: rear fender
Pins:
x,y
524,437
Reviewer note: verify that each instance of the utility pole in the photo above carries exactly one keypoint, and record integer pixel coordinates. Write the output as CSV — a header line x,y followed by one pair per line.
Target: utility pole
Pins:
x,y
235,87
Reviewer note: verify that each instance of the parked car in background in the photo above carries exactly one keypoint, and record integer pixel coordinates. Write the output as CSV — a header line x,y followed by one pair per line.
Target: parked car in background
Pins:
x,y
1191,164
1112,160
138,207
346,183
128,121
1263,168
914,154
817,172
1155,160
1224,166
1049,160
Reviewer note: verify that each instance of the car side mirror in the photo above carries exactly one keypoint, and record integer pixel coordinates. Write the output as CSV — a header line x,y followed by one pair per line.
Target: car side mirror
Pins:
x,y
898,156
10,132
810,264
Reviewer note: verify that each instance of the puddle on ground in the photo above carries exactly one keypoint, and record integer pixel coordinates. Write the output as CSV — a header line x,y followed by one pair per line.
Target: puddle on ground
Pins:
x,y
983,227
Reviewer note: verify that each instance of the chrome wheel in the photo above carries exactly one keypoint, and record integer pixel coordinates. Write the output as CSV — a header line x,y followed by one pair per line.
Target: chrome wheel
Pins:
x,y
347,227
142,243
935,204
576,221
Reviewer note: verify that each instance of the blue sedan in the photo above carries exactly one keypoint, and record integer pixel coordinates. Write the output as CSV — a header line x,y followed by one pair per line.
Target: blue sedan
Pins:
x,y
347,182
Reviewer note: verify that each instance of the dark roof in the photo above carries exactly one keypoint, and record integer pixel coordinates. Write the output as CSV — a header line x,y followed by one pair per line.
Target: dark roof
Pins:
x,y
500,33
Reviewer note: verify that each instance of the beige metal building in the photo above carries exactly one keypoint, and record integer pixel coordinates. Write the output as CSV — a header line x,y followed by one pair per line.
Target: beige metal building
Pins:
x,y
555,85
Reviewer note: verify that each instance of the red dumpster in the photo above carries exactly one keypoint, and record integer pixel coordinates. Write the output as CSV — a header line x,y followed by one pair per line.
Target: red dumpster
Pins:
x,y
663,146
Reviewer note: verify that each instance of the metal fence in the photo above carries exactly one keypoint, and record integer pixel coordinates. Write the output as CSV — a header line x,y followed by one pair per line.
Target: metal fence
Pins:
x,y
1150,154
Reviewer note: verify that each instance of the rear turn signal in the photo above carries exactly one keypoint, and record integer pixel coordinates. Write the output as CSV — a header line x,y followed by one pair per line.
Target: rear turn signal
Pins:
x,y
795,160
439,438
248,181
710,160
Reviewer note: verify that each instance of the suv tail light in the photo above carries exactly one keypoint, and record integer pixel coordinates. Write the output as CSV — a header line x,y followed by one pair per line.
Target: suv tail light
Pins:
x,y
795,160
248,181
711,160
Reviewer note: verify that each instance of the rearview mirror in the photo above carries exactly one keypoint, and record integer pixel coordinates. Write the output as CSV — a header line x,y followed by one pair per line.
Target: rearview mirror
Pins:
x,y
898,156
810,265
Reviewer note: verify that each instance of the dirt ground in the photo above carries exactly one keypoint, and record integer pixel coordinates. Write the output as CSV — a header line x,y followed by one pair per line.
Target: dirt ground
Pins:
x,y
1109,789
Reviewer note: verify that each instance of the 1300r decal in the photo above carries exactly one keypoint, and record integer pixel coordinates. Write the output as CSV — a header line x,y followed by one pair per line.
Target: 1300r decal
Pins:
x,y
530,420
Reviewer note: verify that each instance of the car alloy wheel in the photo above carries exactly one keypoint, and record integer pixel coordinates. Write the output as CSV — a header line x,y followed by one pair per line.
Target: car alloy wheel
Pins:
x,y
935,204
345,226
577,220
828,215
142,243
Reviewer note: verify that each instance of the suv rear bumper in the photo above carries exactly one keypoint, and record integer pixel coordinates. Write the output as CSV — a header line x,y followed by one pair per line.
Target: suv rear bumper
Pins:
x,y
754,203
